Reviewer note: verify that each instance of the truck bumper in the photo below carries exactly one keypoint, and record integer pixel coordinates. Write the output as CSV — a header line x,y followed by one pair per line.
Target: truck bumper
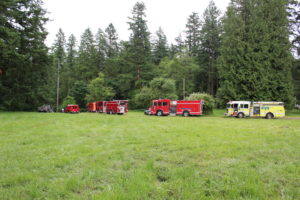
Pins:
x,y
147,112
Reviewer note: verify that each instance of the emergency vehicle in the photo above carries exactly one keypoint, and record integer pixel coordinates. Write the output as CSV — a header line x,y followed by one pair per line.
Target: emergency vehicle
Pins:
x,y
163,107
91,107
267,109
100,106
115,107
72,109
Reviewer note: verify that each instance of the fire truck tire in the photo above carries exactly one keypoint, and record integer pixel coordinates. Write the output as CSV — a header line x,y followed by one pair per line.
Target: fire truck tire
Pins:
x,y
159,113
241,115
186,114
269,116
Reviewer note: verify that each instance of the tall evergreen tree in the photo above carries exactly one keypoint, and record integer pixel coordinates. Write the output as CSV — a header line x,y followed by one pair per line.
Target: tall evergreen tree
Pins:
x,y
294,18
59,48
193,34
71,52
112,41
209,49
140,48
255,61
71,62
161,49
101,49
87,68
59,59
24,63
178,47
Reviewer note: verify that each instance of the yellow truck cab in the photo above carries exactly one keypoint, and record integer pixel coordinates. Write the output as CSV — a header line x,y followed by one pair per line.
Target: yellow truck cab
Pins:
x,y
267,109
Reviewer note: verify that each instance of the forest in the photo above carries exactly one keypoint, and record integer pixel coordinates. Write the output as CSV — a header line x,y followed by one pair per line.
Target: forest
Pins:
x,y
252,52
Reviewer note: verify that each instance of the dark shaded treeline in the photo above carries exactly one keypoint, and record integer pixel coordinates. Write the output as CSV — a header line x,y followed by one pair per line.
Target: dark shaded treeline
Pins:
x,y
243,55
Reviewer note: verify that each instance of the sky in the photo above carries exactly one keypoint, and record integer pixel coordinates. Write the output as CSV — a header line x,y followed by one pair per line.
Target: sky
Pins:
x,y
74,16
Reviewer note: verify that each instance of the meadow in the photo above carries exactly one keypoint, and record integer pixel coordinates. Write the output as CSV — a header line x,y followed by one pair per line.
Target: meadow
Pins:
x,y
99,156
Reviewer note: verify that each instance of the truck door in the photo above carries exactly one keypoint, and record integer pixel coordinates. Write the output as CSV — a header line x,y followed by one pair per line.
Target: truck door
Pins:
x,y
256,109
154,107
246,109
122,107
235,109
166,107
173,109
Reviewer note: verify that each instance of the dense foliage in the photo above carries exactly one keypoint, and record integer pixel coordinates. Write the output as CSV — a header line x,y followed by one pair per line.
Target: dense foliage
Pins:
x,y
255,61
68,101
244,55
97,89
24,63
209,101
159,88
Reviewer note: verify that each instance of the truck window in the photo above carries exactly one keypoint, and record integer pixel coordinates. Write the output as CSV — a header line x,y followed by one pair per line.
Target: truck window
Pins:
x,y
235,105
228,105
246,106
159,103
165,103
242,105
155,104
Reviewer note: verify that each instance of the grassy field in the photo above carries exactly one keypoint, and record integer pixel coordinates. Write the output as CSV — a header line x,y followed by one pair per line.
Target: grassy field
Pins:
x,y
97,156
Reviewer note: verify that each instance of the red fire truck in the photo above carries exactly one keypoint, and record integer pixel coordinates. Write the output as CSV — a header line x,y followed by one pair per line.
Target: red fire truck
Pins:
x,y
112,107
100,106
72,109
162,107
116,107
91,107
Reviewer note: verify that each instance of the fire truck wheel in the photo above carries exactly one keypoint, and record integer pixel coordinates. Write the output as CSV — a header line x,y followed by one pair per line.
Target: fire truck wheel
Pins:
x,y
159,113
186,114
240,115
269,116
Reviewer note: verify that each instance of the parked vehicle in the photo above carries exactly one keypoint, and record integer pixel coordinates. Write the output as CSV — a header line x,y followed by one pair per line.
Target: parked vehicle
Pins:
x,y
101,106
115,107
267,109
91,107
72,109
45,108
162,107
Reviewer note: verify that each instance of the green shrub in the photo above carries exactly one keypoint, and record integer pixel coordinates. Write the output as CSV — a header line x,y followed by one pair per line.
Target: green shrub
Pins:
x,y
68,100
159,88
209,101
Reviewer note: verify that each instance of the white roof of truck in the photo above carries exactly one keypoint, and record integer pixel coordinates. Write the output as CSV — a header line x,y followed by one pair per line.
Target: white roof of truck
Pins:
x,y
239,102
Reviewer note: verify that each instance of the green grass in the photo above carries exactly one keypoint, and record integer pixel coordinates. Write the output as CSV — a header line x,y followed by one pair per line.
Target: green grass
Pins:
x,y
293,113
97,156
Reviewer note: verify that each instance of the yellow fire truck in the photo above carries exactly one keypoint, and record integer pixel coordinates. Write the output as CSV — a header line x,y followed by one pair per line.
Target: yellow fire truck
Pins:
x,y
267,109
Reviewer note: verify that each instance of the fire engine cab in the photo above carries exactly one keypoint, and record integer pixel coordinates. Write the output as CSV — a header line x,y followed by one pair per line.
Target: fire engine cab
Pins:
x,y
162,107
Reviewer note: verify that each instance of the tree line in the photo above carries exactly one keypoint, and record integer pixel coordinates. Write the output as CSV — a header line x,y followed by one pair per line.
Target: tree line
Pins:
x,y
249,53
